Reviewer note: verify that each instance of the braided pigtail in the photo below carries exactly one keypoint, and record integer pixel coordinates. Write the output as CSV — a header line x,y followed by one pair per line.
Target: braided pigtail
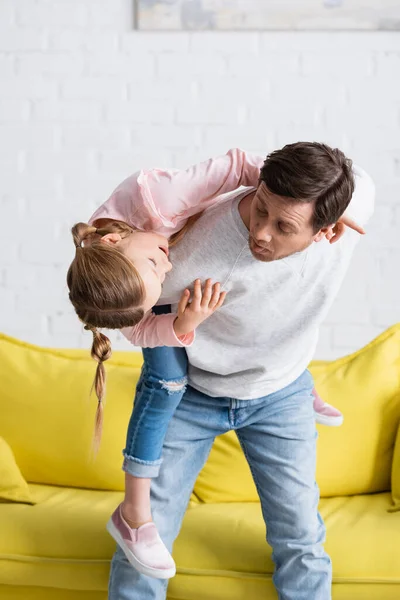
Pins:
x,y
101,351
106,291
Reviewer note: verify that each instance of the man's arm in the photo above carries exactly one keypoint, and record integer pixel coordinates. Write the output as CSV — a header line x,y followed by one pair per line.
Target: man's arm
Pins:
x,y
362,202
360,209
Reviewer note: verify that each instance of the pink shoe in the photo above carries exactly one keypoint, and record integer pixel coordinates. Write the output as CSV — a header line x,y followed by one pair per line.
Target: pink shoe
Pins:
x,y
325,413
143,547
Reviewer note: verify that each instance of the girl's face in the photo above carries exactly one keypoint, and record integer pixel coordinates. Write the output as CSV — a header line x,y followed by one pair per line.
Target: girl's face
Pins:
x,y
149,254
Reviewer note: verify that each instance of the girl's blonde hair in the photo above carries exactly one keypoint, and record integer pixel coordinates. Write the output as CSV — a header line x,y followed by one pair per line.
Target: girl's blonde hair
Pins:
x,y
106,291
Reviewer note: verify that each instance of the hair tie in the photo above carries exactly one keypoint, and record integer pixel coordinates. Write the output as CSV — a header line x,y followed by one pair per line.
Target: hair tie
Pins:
x,y
79,246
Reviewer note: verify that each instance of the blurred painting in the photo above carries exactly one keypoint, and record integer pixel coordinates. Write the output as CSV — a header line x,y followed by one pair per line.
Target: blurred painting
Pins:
x,y
268,14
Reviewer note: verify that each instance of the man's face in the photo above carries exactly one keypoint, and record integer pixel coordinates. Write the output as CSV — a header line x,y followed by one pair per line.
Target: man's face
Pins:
x,y
279,227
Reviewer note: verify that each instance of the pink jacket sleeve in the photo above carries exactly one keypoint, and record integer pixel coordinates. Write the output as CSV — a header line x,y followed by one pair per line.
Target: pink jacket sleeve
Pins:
x,y
163,199
156,330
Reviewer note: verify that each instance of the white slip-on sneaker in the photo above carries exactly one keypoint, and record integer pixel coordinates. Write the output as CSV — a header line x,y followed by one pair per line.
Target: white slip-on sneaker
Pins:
x,y
143,547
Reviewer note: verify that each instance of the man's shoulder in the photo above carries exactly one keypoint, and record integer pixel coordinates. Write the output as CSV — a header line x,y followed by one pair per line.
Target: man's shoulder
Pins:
x,y
325,258
362,203
223,201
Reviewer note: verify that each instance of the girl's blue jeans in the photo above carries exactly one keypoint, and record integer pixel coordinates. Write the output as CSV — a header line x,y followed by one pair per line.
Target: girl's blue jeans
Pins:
x,y
160,389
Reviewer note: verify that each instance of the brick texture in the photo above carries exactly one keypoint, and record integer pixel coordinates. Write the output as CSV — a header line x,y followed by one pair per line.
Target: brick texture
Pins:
x,y
86,100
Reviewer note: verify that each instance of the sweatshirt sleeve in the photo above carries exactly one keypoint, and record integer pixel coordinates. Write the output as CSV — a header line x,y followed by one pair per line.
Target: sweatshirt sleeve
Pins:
x,y
362,202
156,330
166,198
175,194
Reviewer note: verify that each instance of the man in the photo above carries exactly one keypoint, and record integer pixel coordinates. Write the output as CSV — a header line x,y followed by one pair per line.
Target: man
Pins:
x,y
248,364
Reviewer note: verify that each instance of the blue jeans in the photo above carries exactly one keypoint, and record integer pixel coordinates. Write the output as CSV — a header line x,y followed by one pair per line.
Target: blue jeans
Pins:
x,y
277,434
160,389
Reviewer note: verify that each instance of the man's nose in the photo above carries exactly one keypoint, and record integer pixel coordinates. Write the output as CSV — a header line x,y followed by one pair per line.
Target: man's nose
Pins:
x,y
263,235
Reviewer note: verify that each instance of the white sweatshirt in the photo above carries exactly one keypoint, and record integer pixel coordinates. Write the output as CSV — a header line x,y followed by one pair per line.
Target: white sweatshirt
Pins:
x,y
265,334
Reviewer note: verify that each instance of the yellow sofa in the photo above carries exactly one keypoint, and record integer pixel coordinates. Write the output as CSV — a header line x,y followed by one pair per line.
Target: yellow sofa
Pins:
x,y
53,542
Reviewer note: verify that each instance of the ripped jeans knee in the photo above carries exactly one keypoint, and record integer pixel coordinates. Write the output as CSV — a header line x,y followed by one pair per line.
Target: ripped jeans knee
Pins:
x,y
155,403
174,387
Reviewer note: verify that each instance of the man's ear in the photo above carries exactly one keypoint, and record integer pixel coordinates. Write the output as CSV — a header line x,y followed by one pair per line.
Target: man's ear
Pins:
x,y
323,233
111,238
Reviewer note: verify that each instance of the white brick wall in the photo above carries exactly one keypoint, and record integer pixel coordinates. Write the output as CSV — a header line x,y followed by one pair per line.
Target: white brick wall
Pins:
x,y
85,100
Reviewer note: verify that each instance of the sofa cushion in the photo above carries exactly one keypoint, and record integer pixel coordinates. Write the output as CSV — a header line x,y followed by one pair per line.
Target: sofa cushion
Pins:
x,y
28,592
362,540
47,413
355,458
13,487
61,542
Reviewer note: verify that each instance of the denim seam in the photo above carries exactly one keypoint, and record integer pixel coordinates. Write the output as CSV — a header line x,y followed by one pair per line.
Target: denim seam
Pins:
x,y
139,461
243,446
257,483
111,581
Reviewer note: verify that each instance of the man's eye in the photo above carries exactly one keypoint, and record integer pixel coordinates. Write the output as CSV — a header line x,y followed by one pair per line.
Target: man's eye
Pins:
x,y
284,231
262,212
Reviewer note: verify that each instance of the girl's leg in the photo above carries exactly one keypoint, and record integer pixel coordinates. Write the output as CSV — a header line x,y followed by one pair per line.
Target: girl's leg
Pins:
x,y
135,507
159,391
187,444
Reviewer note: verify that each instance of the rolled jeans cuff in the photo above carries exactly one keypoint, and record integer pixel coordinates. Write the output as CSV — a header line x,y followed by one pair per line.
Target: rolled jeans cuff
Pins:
x,y
141,468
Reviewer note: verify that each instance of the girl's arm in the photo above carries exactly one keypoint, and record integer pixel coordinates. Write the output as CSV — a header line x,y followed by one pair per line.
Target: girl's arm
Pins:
x,y
157,330
165,198
181,193
177,329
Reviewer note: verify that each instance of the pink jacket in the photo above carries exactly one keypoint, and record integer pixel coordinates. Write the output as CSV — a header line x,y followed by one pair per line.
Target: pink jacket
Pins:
x,y
162,200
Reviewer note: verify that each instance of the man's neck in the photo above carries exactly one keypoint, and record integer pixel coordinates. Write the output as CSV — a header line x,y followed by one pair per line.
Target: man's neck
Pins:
x,y
244,208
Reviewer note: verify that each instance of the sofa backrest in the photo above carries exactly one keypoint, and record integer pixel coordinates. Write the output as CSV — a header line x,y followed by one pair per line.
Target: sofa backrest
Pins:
x,y
352,459
47,417
47,413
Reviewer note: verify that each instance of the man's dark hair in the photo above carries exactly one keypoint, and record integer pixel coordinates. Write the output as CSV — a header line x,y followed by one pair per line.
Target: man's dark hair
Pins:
x,y
311,172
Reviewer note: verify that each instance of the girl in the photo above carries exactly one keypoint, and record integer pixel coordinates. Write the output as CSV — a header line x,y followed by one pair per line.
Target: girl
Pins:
x,y
114,281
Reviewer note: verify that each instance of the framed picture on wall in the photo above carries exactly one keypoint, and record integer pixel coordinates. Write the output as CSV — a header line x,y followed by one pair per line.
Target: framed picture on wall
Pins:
x,y
267,14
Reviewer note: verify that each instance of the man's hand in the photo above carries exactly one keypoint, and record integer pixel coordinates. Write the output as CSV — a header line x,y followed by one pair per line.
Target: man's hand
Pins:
x,y
335,232
202,306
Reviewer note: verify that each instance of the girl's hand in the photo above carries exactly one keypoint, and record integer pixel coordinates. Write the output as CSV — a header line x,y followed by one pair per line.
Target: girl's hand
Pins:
x,y
202,306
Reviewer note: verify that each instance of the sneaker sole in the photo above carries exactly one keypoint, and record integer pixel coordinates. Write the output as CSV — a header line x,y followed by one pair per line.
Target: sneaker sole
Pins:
x,y
329,421
149,571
